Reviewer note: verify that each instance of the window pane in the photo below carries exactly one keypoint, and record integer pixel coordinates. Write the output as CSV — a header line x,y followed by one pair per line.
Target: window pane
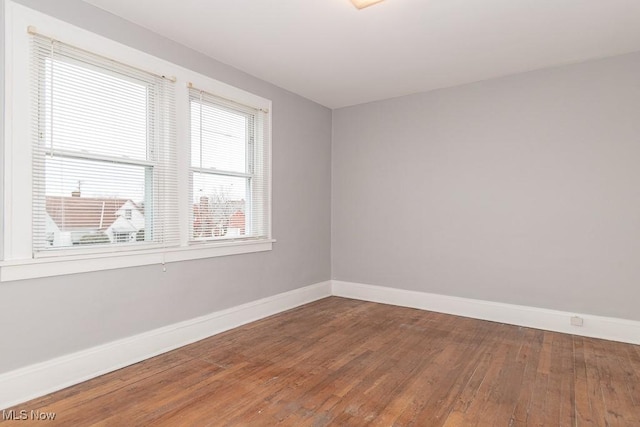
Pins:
x,y
223,136
219,206
93,203
90,110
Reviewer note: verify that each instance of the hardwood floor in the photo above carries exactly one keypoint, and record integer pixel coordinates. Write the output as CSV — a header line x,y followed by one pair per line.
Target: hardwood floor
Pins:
x,y
350,363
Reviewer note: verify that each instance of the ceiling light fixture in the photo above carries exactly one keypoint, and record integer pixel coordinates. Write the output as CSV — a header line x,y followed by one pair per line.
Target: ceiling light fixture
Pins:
x,y
361,4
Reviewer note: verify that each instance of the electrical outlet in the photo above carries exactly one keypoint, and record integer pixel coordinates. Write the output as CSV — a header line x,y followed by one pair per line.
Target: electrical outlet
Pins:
x,y
577,321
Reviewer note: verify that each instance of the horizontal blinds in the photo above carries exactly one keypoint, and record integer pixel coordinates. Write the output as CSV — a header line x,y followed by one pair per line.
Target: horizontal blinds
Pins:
x,y
229,169
104,152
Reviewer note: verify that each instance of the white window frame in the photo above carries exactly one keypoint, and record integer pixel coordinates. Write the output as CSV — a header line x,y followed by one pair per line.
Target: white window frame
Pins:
x,y
18,261
252,173
156,145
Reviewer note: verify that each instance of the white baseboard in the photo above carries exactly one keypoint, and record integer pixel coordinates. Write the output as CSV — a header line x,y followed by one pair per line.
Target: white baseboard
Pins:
x,y
608,328
37,380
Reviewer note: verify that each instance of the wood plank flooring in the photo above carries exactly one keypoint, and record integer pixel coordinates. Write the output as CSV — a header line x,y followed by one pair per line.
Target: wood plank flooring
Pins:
x,y
351,363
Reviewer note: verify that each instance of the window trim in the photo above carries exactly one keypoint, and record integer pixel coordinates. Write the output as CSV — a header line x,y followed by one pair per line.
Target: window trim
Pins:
x,y
18,260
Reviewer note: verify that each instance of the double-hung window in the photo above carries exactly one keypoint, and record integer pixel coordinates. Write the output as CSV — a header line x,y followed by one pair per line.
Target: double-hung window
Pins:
x,y
115,158
103,152
228,172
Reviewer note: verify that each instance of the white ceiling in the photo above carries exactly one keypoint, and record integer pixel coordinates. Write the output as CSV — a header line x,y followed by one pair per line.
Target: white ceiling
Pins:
x,y
332,53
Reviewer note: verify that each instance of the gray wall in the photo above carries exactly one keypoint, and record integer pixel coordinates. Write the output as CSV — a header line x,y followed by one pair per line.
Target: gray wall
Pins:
x,y
45,318
524,190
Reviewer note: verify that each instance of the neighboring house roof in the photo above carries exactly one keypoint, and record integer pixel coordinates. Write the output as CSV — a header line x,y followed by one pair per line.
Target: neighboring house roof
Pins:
x,y
82,213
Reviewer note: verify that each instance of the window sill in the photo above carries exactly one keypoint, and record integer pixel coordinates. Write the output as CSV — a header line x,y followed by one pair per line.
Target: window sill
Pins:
x,y
83,263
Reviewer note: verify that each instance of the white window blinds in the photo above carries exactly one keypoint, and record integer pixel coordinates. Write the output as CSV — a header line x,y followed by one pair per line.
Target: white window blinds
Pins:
x,y
229,173
104,152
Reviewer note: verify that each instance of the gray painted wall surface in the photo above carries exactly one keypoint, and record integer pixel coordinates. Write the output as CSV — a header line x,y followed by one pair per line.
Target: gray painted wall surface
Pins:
x,y
44,318
524,190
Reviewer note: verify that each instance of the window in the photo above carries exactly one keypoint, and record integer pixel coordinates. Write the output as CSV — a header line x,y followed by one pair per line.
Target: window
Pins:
x,y
227,174
104,147
124,167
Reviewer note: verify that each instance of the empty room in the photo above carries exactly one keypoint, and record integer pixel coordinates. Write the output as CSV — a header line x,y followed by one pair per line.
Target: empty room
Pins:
x,y
320,213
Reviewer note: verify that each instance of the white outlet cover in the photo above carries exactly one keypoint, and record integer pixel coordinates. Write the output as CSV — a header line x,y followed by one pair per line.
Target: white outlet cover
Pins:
x,y
577,321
